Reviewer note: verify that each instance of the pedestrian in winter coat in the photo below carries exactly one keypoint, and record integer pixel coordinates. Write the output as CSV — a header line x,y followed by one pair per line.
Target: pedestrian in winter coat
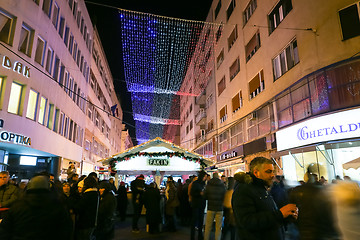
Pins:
x,y
256,214
105,228
86,210
316,220
122,201
152,203
172,202
8,192
137,189
198,203
38,215
229,220
214,193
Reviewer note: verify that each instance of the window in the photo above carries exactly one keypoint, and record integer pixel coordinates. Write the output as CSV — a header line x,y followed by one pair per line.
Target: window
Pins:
x,y
56,68
237,102
42,110
230,9
61,27
75,8
252,46
191,124
232,38
56,120
55,15
278,14
286,60
28,161
75,50
210,125
7,27
349,20
50,121
2,80
234,69
47,7
257,84
220,58
219,32
26,40
209,101
71,2
40,51
236,134
66,81
37,1
71,43
32,104
223,114
217,9
49,60
221,85
15,98
66,36
249,10
224,141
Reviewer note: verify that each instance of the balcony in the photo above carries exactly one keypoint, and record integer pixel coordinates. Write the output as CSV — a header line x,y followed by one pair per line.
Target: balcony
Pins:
x,y
201,99
200,118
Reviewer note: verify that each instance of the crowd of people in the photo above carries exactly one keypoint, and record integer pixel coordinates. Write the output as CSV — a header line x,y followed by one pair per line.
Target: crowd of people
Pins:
x,y
253,205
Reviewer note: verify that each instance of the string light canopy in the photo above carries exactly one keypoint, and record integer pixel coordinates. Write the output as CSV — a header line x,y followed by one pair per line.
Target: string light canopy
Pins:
x,y
157,52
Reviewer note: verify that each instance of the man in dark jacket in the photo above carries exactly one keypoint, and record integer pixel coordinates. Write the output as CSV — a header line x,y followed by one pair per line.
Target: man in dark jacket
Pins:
x,y
8,192
214,193
256,214
198,205
38,215
137,189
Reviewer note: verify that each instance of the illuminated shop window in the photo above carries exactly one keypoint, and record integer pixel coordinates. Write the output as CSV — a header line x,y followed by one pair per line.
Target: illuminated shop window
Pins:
x,y
42,110
32,104
15,98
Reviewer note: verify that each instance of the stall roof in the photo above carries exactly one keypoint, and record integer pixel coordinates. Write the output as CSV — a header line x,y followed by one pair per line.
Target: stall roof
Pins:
x,y
156,145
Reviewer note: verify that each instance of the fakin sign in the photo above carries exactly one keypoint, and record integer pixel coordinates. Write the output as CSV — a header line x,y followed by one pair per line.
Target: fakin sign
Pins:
x,y
336,126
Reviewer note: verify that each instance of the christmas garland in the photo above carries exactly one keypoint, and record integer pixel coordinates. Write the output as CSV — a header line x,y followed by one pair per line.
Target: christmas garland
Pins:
x,y
113,161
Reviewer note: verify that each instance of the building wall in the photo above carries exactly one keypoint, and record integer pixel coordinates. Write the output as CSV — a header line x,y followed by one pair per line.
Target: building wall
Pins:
x,y
58,72
316,27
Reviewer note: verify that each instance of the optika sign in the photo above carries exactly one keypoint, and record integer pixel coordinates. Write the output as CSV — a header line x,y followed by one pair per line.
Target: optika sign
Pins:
x,y
304,133
15,138
17,67
336,126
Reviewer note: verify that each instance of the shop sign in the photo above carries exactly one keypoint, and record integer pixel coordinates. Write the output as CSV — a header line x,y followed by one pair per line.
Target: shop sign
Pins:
x,y
238,151
15,138
17,66
158,162
337,126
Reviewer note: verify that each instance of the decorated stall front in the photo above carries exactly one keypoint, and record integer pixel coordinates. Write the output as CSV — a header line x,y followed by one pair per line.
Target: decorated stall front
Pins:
x,y
157,155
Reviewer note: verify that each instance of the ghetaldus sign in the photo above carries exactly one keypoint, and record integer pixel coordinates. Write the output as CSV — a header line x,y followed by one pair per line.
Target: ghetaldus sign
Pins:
x,y
336,126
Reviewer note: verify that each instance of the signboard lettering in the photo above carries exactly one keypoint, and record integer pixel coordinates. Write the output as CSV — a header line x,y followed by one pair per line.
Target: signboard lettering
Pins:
x,y
336,126
158,162
15,138
17,67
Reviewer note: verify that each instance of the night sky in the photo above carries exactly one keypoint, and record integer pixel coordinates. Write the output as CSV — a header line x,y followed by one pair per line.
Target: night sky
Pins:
x,y
106,19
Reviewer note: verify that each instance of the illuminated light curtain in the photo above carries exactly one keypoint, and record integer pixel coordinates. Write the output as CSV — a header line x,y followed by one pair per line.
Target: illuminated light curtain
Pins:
x,y
157,53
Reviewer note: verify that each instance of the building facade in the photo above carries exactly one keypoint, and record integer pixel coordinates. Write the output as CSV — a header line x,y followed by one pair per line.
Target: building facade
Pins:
x,y
279,64
46,50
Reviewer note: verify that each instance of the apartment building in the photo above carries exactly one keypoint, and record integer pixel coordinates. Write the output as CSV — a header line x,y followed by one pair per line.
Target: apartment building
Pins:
x,y
279,66
46,49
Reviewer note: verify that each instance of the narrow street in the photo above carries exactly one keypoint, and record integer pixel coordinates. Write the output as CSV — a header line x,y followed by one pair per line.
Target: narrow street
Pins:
x,y
123,231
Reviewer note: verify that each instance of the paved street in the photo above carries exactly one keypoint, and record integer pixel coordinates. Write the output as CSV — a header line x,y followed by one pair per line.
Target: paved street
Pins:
x,y
123,231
